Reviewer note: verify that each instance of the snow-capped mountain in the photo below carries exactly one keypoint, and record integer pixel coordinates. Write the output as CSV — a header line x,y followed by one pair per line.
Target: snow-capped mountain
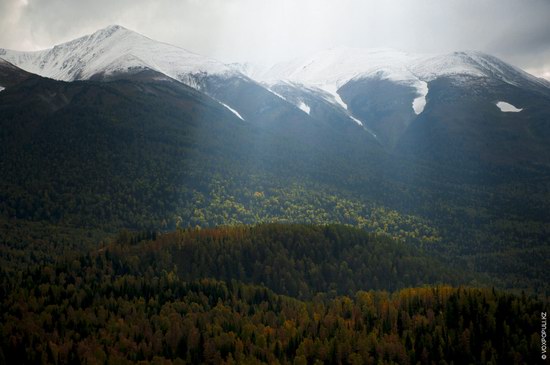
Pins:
x,y
112,51
337,66
331,69
385,90
116,52
387,95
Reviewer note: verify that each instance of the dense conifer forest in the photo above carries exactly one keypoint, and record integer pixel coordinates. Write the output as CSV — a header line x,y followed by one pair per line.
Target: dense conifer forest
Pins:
x,y
266,294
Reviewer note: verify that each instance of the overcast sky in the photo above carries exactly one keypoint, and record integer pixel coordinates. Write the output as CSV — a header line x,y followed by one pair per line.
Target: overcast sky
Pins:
x,y
267,31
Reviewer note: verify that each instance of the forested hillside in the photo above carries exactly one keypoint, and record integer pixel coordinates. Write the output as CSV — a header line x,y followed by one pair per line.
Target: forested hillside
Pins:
x,y
294,260
94,157
130,301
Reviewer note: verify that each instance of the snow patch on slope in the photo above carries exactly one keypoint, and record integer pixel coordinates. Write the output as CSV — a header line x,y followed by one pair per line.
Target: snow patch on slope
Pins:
x,y
304,107
232,110
507,107
419,102
276,94
332,91
357,121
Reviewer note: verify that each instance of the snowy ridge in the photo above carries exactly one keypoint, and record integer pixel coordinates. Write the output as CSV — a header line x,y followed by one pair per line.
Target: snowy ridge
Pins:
x,y
473,64
459,63
251,70
114,50
337,66
329,70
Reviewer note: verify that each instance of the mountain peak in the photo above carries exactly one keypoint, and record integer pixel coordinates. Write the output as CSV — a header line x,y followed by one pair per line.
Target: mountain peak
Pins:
x,y
475,64
113,51
111,30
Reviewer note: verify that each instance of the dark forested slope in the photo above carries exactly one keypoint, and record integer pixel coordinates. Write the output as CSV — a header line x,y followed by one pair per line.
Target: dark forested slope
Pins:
x,y
147,152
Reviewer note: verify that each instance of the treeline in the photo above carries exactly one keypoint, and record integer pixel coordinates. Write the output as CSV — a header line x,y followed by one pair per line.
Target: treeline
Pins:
x,y
295,260
85,311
